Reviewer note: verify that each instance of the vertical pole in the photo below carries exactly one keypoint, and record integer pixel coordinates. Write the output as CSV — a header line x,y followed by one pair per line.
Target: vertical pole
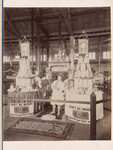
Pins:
x,y
42,53
104,85
42,62
93,116
38,55
59,33
72,44
32,36
99,57
47,49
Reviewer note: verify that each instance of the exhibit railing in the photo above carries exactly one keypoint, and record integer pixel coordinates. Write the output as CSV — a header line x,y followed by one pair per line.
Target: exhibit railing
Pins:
x,y
92,104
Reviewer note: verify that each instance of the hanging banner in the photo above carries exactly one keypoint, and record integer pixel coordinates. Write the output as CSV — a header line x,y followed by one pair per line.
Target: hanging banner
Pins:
x,y
21,109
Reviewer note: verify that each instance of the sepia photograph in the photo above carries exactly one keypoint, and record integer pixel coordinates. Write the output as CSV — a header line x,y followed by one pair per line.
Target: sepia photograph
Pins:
x,y
56,73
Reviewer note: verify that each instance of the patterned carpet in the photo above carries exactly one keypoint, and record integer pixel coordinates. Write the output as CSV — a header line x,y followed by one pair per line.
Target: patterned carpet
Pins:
x,y
60,130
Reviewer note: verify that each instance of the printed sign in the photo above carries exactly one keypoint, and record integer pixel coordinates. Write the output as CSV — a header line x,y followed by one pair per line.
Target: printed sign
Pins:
x,y
83,46
78,113
25,49
59,68
21,109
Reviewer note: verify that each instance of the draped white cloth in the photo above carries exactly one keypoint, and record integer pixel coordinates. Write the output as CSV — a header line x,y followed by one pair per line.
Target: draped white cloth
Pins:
x,y
24,69
23,79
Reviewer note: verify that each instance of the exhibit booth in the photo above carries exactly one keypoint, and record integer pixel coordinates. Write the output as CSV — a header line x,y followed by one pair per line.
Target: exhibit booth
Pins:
x,y
78,85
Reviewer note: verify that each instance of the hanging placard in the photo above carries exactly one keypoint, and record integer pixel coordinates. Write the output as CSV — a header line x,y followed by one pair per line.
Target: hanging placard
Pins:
x,y
83,46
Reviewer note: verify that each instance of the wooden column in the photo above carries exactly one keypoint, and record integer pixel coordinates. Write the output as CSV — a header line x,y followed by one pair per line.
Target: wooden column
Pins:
x,y
38,52
72,45
59,33
99,59
59,36
42,53
42,62
32,36
67,17
47,49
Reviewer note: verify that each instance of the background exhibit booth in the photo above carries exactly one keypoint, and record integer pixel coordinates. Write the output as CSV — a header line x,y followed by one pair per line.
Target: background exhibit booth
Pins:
x,y
60,64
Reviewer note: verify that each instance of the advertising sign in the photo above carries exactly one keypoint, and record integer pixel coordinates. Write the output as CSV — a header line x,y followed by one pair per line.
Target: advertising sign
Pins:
x,y
78,113
81,112
21,109
83,46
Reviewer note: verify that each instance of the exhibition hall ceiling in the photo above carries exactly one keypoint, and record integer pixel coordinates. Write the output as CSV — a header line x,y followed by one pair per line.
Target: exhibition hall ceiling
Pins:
x,y
52,23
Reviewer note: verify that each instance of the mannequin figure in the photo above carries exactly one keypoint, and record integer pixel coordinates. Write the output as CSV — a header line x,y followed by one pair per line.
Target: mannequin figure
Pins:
x,y
57,94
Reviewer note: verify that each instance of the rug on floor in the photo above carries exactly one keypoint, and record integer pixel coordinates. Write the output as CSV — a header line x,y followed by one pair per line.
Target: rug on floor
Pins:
x,y
55,129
